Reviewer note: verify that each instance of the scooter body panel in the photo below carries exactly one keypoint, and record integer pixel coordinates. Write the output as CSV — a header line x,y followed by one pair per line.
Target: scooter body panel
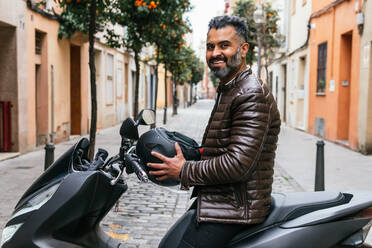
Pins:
x,y
291,207
71,217
358,200
323,236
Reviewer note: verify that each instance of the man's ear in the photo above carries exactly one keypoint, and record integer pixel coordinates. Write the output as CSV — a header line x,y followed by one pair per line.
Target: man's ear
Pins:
x,y
244,49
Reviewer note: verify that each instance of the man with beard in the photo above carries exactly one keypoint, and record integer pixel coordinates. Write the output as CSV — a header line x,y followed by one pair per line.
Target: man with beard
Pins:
x,y
233,179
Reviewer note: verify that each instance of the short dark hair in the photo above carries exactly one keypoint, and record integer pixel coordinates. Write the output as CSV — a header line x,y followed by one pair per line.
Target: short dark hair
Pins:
x,y
237,22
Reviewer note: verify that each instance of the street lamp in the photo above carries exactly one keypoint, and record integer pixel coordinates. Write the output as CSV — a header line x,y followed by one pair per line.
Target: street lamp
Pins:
x,y
259,19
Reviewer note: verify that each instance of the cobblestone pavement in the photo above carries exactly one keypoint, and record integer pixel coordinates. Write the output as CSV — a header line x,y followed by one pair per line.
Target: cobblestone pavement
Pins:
x,y
145,211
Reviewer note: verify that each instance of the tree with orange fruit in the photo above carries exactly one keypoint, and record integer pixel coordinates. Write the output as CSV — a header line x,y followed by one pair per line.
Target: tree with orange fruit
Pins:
x,y
135,16
147,22
85,16
168,35
183,65
270,32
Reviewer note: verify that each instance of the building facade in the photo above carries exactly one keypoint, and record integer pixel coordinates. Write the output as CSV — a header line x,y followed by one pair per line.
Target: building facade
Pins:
x,y
289,73
334,71
13,80
45,83
365,90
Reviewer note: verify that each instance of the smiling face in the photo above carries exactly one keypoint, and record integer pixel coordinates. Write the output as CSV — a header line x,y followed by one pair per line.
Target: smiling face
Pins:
x,y
226,53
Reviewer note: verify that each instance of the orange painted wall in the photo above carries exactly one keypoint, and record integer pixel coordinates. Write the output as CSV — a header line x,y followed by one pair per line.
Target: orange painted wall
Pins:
x,y
330,27
56,53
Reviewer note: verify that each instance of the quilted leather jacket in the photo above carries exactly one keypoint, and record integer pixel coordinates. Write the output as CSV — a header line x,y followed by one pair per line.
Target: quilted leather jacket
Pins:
x,y
233,180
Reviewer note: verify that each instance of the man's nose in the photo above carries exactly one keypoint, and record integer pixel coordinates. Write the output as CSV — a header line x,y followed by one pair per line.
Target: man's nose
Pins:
x,y
216,52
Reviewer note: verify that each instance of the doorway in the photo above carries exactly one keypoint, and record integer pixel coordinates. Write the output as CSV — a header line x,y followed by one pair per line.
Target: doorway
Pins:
x,y
41,89
284,89
344,89
300,106
8,89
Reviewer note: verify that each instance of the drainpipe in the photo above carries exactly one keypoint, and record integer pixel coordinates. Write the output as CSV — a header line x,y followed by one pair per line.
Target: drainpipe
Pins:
x,y
315,15
49,147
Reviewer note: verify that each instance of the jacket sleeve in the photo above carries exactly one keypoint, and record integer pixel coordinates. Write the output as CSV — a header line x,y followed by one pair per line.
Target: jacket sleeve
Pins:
x,y
249,127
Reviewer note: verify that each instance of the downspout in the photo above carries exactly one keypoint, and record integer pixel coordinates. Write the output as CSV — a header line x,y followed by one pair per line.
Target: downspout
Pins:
x,y
315,15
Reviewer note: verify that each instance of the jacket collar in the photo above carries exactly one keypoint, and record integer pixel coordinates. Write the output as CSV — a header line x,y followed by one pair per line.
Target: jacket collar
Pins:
x,y
232,82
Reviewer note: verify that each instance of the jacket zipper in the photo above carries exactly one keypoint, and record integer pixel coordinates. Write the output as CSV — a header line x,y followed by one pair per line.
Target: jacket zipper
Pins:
x,y
219,96
238,196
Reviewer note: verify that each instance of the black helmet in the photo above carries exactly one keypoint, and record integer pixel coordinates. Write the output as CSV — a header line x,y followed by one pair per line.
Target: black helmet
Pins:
x,y
162,141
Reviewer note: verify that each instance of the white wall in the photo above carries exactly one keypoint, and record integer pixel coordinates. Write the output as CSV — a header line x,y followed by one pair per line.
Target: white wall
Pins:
x,y
298,25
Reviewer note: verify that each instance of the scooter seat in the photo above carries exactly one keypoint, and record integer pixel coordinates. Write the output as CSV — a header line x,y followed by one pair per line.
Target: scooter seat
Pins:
x,y
288,206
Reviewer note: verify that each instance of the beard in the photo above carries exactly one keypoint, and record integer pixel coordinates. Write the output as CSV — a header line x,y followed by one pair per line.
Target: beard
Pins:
x,y
232,65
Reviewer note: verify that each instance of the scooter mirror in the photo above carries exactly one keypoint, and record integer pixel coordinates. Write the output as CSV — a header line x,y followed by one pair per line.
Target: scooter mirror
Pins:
x,y
129,129
146,117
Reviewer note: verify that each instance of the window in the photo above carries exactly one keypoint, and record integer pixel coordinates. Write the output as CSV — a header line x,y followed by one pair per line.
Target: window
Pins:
x,y
322,68
119,83
38,42
109,78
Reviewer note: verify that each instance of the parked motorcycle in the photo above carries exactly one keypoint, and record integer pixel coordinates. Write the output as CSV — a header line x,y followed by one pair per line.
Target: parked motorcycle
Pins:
x,y
65,205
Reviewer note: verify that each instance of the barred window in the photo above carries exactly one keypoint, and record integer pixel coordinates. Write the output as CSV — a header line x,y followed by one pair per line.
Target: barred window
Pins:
x,y
38,41
322,68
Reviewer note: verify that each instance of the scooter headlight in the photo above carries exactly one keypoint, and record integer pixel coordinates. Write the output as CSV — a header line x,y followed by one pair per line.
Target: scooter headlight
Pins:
x,y
37,201
8,233
33,204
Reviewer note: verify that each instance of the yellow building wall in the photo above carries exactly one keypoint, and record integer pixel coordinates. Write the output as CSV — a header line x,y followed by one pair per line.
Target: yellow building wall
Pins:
x,y
160,103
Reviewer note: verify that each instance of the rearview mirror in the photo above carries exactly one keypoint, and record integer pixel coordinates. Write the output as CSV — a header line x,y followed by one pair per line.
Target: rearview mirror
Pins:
x,y
129,129
146,117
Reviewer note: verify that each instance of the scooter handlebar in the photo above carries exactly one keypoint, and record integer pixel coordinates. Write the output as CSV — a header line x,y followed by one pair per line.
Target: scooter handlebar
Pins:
x,y
133,162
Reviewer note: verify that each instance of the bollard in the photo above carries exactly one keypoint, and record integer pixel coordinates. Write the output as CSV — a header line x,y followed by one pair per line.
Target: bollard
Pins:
x,y
319,170
165,116
49,155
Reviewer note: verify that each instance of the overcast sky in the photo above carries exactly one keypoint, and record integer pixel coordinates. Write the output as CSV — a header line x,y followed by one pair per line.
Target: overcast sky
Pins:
x,y
203,11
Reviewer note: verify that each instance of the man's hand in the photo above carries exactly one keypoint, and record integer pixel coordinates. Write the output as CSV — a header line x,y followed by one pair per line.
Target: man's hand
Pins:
x,y
170,168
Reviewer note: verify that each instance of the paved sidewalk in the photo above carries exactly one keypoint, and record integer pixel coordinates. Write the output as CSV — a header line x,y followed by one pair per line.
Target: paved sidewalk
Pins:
x,y
145,211
345,169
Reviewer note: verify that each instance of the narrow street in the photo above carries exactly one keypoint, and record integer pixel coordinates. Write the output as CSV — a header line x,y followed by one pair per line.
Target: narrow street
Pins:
x,y
145,211
71,66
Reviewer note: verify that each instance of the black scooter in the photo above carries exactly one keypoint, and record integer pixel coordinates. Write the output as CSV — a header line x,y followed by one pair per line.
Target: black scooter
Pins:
x,y
64,207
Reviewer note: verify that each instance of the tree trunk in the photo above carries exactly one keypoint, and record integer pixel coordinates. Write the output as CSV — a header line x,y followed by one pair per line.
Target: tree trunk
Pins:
x,y
136,92
156,84
191,86
175,99
93,89
267,70
166,97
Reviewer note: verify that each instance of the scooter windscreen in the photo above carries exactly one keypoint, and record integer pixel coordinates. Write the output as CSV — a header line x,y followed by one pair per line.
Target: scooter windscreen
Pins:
x,y
59,169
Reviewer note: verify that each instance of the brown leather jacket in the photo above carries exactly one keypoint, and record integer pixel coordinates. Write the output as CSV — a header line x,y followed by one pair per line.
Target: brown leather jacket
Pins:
x,y
233,180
